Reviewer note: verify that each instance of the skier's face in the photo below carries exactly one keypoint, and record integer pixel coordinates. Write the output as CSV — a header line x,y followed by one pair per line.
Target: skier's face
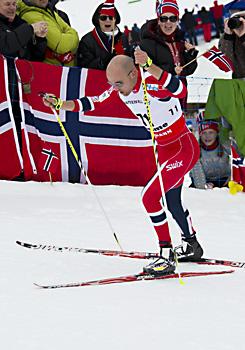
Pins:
x,y
122,81
208,136
168,23
8,9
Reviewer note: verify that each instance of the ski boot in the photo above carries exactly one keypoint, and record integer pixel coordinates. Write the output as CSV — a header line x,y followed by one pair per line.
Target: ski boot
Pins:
x,y
161,266
190,250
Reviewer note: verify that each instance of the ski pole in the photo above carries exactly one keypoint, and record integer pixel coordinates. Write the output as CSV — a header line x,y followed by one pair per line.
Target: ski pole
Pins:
x,y
85,174
148,111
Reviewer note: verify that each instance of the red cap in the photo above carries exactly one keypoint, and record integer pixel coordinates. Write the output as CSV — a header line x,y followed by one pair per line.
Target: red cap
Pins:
x,y
164,6
108,8
208,125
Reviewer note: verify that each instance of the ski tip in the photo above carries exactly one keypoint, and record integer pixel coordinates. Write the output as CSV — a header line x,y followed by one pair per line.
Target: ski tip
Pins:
x,y
39,286
26,245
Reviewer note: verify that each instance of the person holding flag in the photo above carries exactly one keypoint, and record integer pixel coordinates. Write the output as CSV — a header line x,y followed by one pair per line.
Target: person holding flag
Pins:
x,y
164,42
176,150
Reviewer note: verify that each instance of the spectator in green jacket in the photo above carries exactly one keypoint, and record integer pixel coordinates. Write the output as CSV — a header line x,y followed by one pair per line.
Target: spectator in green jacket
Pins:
x,y
62,40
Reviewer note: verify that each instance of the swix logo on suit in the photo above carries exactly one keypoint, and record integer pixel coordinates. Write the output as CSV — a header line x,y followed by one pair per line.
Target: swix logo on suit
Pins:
x,y
174,165
164,113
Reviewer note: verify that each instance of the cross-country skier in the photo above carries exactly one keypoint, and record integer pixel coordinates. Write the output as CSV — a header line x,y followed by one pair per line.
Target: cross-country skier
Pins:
x,y
177,147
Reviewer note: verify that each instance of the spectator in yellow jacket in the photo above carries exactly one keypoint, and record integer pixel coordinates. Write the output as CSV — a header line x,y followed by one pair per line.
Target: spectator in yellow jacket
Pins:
x,y
62,40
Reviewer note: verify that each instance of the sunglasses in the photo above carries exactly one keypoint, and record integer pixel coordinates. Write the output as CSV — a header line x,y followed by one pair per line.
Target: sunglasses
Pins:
x,y
103,18
119,84
172,19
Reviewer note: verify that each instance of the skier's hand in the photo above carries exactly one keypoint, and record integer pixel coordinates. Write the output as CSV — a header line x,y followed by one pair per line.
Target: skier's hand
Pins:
x,y
50,100
140,56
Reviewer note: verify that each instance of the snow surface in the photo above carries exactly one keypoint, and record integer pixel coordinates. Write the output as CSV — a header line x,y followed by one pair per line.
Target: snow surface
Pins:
x,y
207,313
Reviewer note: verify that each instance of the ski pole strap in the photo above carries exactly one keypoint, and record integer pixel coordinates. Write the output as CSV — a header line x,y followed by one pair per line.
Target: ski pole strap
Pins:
x,y
147,64
58,103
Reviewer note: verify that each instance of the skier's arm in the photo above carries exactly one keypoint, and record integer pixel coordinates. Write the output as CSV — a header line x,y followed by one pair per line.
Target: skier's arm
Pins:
x,y
167,84
82,104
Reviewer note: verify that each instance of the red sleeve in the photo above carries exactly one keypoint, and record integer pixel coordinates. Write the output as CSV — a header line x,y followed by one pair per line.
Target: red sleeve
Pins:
x,y
167,85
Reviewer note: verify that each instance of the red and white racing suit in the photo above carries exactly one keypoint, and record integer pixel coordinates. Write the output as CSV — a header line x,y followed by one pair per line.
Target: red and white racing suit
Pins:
x,y
178,151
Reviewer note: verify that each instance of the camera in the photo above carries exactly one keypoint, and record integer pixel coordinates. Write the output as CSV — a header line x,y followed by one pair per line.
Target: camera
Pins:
x,y
234,22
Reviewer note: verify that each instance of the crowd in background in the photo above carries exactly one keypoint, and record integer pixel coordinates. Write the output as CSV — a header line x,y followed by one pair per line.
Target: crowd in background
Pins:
x,y
36,30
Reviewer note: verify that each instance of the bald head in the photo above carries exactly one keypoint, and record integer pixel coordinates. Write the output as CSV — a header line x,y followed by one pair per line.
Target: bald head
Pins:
x,y
119,64
122,74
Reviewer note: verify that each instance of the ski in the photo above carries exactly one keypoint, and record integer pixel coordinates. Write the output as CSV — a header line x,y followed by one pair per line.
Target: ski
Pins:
x,y
125,254
121,253
132,278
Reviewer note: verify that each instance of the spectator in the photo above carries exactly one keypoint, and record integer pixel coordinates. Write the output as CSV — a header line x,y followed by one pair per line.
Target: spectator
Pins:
x,y
218,12
232,43
62,40
206,20
135,35
17,35
189,23
96,48
22,40
127,33
213,168
164,42
62,14
126,40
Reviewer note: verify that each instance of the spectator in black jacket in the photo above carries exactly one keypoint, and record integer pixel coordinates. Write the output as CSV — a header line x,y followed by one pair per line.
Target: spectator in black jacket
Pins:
x,y
18,38
189,23
165,44
22,40
97,47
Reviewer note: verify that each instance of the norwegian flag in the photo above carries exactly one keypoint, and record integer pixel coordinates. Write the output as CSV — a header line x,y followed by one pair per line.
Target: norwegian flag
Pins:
x,y
219,59
238,168
110,141
11,162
